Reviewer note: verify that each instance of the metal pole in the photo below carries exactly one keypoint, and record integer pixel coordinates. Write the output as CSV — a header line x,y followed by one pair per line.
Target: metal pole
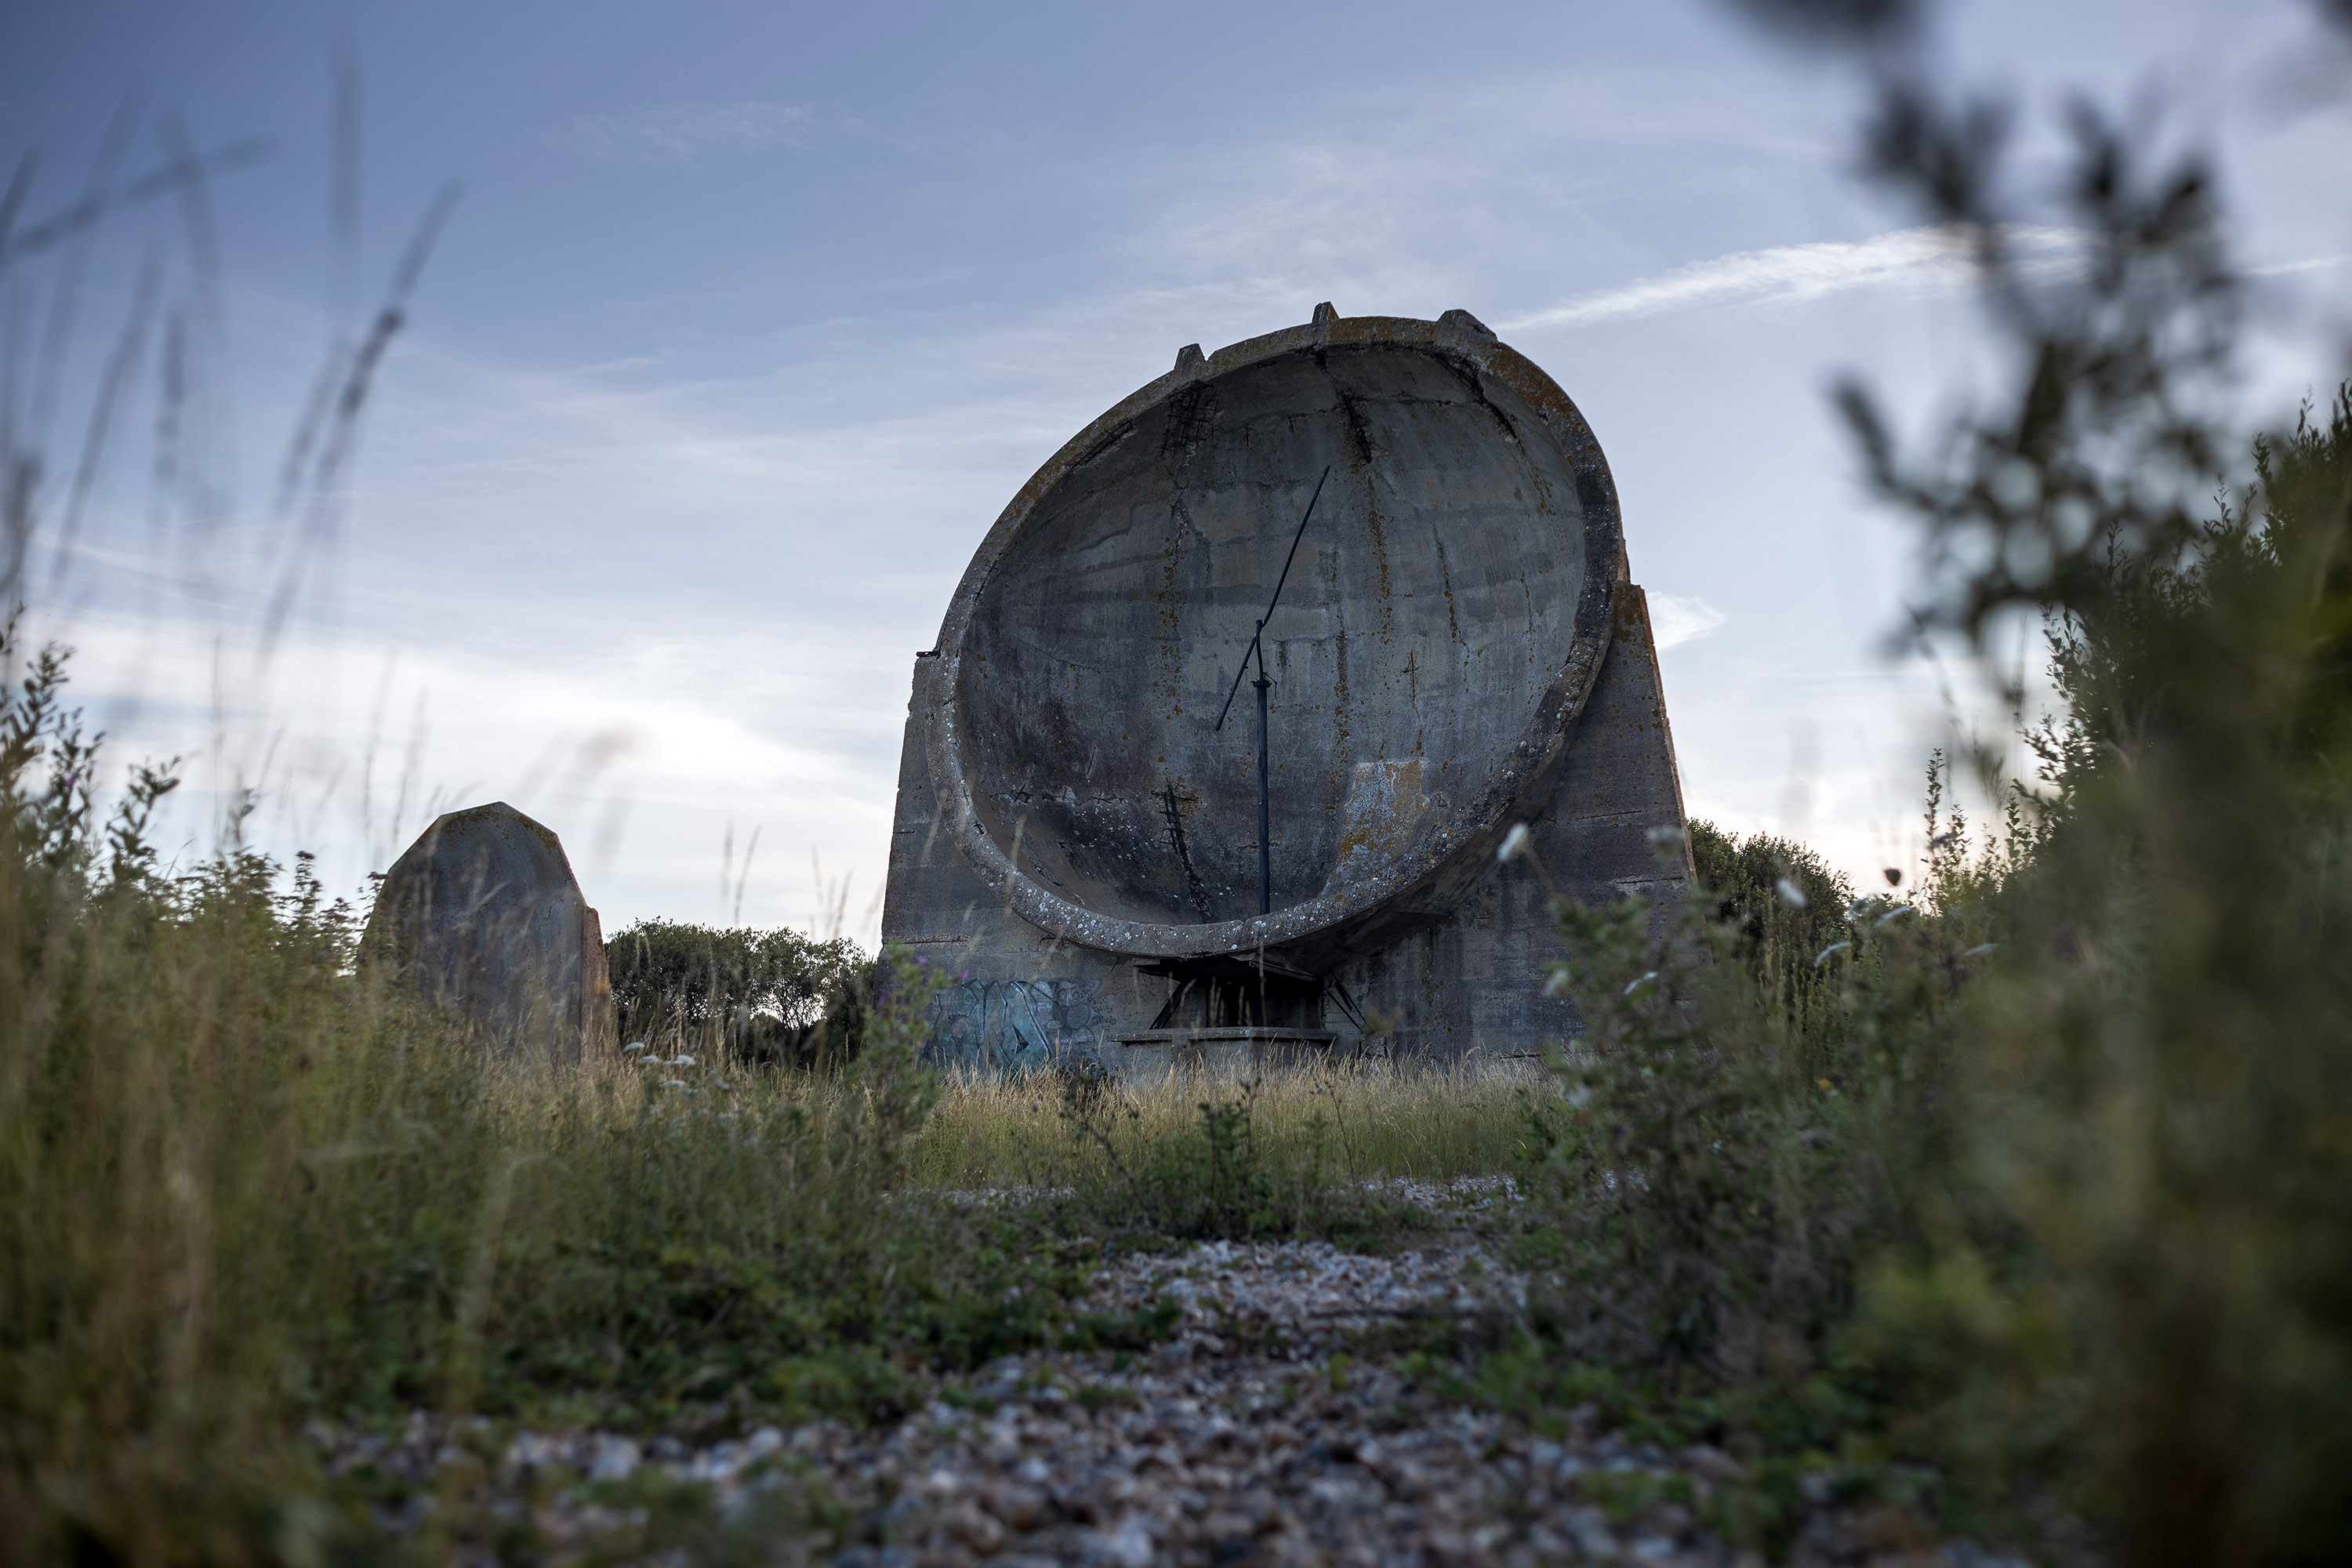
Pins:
x,y
1234,690
1258,647
1264,828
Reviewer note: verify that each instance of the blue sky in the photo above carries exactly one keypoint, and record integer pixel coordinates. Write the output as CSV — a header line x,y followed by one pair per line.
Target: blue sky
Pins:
x,y
752,317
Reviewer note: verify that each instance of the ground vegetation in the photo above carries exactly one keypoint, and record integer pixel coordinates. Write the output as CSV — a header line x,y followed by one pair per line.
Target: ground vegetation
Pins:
x,y
2004,1198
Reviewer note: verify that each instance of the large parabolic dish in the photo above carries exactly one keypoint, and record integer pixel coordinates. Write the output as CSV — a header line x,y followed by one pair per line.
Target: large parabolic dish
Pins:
x,y
1444,622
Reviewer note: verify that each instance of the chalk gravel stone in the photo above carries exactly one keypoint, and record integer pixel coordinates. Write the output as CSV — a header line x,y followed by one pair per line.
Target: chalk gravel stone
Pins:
x,y
1248,1438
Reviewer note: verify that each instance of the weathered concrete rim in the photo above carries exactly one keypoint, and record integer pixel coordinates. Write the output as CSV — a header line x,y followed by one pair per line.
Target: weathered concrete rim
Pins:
x,y
1434,873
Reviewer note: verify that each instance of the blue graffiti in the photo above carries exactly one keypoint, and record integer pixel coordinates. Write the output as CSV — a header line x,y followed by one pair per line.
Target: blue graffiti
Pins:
x,y
1015,1025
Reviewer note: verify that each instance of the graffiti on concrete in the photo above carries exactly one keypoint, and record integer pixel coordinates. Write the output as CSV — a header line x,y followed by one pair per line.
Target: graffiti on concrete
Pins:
x,y
1010,1025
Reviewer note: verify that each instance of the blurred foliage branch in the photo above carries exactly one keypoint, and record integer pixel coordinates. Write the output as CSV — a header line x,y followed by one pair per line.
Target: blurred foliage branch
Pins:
x,y
2041,1176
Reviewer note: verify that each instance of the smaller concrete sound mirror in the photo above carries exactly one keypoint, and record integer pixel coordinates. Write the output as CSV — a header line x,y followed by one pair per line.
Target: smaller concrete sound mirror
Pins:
x,y
1456,649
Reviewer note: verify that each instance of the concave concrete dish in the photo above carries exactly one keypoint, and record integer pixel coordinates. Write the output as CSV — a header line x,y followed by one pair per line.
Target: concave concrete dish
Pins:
x,y
1439,632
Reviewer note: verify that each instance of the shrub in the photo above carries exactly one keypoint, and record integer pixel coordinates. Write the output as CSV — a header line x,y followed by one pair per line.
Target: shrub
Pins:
x,y
1782,911
1720,1161
2157,1084
752,995
1780,894
2042,1178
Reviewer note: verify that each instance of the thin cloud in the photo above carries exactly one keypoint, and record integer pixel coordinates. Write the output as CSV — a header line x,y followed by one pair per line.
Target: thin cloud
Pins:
x,y
681,133
1935,257
2308,264
1675,619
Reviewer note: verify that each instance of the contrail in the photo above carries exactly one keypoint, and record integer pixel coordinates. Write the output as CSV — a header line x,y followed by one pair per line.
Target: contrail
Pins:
x,y
1938,255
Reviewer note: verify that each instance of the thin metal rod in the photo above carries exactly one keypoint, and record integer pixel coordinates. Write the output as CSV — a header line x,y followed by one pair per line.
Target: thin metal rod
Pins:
x,y
1264,810
1256,642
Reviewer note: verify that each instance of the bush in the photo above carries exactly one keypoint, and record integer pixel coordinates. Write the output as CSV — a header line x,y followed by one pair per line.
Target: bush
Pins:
x,y
2159,1293
1721,1161
772,996
1784,912
1777,893
2042,1178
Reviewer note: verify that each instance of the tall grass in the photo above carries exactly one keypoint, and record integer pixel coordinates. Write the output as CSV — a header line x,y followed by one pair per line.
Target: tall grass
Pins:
x,y
1362,1121
246,1181
242,1184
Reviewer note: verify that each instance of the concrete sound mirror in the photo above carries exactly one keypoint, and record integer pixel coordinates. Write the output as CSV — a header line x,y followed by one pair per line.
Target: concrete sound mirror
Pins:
x,y
1401,539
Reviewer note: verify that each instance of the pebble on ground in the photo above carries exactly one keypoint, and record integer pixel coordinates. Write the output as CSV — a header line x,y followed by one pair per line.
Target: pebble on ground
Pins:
x,y
1252,1437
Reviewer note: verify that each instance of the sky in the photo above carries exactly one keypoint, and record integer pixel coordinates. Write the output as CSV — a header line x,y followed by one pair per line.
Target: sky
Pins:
x,y
748,320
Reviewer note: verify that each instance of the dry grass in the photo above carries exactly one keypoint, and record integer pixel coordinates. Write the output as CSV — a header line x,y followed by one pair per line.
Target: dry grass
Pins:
x,y
1371,1118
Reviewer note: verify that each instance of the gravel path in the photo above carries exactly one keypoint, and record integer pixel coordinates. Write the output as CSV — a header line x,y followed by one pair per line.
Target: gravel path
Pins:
x,y
1252,1437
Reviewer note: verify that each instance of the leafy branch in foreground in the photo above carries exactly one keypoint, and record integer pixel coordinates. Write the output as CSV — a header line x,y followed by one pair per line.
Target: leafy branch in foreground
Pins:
x,y
2044,1181
2150,1299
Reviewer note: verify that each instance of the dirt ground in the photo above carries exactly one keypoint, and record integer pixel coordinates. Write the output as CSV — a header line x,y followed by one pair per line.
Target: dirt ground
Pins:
x,y
1265,1431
